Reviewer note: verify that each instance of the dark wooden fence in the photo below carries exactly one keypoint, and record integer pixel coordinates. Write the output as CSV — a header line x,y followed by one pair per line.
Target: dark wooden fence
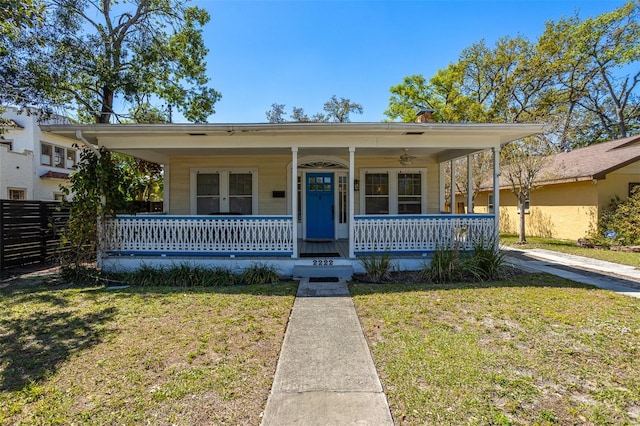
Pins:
x,y
30,231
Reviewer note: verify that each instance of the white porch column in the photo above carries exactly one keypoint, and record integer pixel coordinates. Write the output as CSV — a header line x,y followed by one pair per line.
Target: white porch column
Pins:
x,y
294,200
496,190
443,186
352,151
453,186
166,190
469,185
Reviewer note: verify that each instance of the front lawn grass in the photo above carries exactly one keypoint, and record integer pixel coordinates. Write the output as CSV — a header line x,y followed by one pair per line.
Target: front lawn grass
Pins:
x,y
534,350
152,355
570,247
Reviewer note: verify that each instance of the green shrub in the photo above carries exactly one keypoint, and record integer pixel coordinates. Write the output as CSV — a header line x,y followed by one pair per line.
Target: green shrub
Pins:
x,y
260,274
377,267
450,265
623,218
446,266
487,261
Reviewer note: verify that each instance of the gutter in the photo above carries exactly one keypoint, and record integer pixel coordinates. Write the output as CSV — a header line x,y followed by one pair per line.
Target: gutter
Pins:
x,y
86,143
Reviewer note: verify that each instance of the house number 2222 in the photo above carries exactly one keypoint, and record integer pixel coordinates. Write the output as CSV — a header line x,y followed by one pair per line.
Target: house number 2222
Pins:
x,y
322,262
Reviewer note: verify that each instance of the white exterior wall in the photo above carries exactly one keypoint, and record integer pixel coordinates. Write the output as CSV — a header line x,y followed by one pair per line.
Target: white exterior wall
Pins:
x,y
22,168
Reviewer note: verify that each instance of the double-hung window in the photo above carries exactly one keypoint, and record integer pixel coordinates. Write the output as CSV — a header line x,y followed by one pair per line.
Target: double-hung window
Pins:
x,y
224,191
394,191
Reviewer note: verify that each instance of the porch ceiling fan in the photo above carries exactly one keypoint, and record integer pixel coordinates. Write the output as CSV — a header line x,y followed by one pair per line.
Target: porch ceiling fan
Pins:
x,y
405,158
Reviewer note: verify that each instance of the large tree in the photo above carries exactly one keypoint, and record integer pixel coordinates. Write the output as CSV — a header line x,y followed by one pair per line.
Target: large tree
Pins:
x,y
335,110
580,76
101,57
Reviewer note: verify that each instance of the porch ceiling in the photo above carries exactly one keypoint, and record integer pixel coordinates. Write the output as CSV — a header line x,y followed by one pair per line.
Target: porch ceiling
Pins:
x,y
161,142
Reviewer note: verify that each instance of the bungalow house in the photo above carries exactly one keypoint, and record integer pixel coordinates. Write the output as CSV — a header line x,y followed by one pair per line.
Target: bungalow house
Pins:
x,y
295,195
576,187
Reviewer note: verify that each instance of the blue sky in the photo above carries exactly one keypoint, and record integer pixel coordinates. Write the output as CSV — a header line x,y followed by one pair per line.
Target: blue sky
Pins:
x,y
300,53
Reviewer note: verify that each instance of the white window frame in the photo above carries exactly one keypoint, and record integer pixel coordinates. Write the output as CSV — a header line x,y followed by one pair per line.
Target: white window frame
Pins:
x,y
224,187
393,187
490,204
65,162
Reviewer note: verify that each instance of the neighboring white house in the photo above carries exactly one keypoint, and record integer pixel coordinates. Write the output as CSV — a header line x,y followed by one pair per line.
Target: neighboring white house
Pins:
x,y
33,163
296,195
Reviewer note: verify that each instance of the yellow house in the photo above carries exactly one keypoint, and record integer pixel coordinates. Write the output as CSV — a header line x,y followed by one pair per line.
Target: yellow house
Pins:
x,y
579,186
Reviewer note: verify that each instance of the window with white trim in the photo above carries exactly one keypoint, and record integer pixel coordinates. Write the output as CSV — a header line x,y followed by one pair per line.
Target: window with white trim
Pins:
x,y
394,191
227,191
490,202
17,193
57,156
376,190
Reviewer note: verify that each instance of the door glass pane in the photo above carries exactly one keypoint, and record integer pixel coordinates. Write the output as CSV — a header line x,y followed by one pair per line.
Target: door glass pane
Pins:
x,y
208,205
342,199
208,184
240,205
240,183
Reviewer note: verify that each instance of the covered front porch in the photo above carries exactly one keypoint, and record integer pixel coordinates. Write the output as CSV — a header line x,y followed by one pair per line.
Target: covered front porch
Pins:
x,y
274,192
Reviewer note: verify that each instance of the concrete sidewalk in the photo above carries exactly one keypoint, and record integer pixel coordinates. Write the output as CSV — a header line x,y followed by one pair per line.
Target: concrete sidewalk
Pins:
x,y
325,374
622,279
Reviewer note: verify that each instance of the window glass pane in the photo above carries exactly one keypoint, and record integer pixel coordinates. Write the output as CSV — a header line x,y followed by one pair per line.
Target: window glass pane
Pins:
x,y
208,205
16,194
242,205
208,184
240,184
58,157
377,205
409,205
45,154
409,184
377,184
71,158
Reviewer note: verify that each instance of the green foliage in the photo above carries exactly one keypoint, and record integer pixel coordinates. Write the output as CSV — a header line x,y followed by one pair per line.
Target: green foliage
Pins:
x,y
485,263
622,217
336,110
259,274
96,178
96,56
447,265
377,267
580,77
181,275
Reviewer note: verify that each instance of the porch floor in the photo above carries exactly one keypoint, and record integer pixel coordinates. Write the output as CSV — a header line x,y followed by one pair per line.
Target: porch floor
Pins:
x,y
320,248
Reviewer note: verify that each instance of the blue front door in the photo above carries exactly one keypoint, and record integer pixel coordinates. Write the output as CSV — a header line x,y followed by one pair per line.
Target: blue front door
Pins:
x,y
320,210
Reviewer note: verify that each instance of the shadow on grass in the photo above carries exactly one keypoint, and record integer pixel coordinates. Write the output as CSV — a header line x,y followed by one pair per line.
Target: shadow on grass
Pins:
x,y
34,347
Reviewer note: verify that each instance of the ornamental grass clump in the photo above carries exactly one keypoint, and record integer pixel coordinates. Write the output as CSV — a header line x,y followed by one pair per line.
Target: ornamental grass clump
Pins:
x,y
260,274
377,267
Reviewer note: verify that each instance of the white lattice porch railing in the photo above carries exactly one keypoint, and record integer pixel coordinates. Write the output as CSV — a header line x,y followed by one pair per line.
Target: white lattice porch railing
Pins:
x,y
198,235
424,233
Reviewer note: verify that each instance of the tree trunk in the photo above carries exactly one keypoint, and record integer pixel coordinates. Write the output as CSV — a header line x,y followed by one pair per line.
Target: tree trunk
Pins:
x,y
107,106
521,204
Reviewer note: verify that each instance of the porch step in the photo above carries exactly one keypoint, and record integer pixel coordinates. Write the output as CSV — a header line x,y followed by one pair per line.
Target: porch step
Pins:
x,y
311,271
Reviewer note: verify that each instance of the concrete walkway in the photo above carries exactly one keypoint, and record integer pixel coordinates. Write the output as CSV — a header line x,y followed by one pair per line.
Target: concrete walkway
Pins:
x,y
622,279
325,374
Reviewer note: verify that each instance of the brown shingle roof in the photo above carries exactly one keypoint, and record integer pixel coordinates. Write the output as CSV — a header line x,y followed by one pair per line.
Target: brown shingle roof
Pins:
x,y
594,161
